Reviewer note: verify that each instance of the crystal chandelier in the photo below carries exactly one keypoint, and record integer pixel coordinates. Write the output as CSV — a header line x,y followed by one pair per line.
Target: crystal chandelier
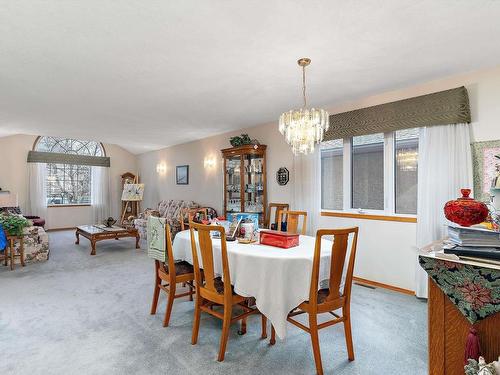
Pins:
x,y
304,127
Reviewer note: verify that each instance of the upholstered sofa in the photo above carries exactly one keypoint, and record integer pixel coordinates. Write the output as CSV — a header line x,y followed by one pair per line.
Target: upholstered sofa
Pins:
x,y
36,220
169,209
36,245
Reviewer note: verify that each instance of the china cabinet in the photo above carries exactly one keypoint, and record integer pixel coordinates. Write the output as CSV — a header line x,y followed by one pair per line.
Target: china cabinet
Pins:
x,y
245,180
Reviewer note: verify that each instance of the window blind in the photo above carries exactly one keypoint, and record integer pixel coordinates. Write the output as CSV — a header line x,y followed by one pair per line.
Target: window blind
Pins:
x,y
440,108
57,158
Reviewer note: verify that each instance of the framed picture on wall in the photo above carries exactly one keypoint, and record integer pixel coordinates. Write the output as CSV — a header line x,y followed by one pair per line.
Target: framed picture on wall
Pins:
x,y
182,175
486,168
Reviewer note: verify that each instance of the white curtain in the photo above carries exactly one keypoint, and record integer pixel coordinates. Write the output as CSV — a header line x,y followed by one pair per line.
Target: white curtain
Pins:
x,y
37,190
307,188
444,167
100,200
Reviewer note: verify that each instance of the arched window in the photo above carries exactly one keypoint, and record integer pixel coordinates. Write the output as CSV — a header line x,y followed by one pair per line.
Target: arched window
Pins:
x,y
68,183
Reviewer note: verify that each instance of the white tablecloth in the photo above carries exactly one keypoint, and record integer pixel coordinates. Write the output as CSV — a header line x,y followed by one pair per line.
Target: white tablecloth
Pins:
x,y
279,279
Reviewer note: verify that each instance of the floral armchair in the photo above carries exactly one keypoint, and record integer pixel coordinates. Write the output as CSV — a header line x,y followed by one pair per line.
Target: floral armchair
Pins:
x,y
168,209
36,245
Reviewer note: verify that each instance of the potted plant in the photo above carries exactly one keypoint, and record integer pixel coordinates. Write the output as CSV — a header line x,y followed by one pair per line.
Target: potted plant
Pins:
x,y
13,224
243,140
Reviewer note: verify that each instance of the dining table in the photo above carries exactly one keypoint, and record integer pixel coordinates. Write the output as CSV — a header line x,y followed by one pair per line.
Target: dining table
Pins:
x,y
279,279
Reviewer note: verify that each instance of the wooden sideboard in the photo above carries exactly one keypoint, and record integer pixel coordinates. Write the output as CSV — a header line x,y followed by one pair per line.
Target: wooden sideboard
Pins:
x,y
448,330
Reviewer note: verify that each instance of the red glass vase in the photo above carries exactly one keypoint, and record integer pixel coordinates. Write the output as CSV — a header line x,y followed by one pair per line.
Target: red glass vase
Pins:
x,y
466,211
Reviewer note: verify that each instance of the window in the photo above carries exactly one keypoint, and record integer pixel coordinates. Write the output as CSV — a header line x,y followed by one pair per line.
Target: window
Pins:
x,y
406,148
331,175
371,172
68,183
368,172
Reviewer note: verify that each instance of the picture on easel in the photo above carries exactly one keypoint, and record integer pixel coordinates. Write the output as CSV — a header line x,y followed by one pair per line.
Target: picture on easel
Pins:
x,y
133,192
132,195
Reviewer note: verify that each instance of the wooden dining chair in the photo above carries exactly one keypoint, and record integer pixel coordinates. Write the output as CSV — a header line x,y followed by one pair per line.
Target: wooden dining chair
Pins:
x,y
190,214
168,275
211,291
292,221
278,207
332,298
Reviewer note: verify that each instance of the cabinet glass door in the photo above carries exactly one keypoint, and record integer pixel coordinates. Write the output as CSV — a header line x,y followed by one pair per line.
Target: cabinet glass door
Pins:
x,y
233,184
254,184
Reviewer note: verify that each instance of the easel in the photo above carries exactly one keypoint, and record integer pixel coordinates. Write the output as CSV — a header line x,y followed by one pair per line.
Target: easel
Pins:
x,y
133,204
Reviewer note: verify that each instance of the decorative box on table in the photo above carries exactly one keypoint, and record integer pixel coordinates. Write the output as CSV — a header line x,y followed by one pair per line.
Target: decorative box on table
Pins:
x,y
278,239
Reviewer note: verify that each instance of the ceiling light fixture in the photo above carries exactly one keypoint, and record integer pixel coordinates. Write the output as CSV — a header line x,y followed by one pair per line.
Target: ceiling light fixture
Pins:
x,y
304,127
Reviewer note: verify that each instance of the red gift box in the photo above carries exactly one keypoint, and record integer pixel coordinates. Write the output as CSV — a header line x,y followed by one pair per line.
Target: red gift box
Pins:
x,y
278,239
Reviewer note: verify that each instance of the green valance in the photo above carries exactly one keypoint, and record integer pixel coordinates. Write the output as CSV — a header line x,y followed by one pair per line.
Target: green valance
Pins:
x,y
440,108
56,158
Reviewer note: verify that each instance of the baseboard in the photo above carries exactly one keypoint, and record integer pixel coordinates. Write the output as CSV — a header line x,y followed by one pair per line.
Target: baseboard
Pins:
x,y
376,284
59,229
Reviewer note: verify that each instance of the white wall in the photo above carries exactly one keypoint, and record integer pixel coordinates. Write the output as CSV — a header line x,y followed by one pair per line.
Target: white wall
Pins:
x,y
386,249
14,177
205,184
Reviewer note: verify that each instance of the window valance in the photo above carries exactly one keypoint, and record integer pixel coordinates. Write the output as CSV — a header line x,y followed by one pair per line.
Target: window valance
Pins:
x,y
440,108
59,158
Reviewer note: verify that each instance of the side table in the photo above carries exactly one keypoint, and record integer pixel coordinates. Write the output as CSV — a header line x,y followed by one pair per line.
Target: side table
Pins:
x,y
10,250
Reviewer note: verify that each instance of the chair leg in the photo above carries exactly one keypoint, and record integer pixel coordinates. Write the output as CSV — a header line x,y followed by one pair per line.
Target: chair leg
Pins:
x,y
226,323
170,303
156,291
12,255
156,295
313,327
191,291
273,336
243,327
348,337
196,320
264,327
21,252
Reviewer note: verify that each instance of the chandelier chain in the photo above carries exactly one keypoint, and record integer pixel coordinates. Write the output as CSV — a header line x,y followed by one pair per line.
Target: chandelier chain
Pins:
x,y
304,85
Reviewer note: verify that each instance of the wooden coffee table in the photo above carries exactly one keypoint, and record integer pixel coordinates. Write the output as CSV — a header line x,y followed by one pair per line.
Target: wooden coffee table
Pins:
x,y
94,234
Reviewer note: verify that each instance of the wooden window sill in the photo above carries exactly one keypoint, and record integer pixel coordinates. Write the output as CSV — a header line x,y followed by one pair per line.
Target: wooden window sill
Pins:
x,y
68,205
354,215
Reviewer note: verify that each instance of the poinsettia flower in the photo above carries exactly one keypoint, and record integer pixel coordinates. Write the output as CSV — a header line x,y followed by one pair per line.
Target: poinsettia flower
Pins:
x,y
475,294
452,265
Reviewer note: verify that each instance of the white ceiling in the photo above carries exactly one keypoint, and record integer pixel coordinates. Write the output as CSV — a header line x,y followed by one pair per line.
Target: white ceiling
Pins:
x,y
149,74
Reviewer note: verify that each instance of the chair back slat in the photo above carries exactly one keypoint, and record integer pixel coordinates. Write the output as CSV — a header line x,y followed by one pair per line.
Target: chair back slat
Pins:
x,y
292,221
207,256
170,254
338,257
339,251
278,207
203,211
190,213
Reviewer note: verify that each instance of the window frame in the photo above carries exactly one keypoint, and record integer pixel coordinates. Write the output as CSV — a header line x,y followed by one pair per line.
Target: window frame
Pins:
x,y
389,210
102,153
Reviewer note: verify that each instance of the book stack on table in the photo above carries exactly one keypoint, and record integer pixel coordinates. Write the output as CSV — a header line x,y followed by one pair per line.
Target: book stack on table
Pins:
x,y
473,243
